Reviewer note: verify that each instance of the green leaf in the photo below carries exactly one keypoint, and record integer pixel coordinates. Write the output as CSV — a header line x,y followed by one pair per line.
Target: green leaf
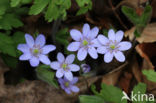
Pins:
x,y
38,6
52,12
4,4
150,74
139,89
18,38
146,15
9,60
136,33
9,21
7,45
131,14
112,94
26,1
84,5
82,10
62,38
90,99
44,73
14,3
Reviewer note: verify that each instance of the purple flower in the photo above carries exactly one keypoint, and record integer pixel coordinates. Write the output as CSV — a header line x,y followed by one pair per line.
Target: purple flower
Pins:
x,y
35,51
85,68
64,66
112,46
69,86
85,42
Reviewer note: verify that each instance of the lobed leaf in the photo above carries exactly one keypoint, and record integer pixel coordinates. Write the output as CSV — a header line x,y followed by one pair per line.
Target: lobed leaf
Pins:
x,y
44,73
150,74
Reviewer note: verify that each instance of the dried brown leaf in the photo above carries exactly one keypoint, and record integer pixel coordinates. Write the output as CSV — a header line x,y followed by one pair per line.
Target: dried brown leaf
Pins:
x,y
112,77
148,35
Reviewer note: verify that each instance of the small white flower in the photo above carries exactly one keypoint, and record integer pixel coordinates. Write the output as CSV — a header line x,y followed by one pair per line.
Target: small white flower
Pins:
x,y
85,42
112,46
64,66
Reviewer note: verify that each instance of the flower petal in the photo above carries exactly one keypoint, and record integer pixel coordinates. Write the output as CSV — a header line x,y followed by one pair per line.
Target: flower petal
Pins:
x,y
74,67
93,53
74,46
25,56
75,79
95,43
67,90
69,75
102,39
108,57
34,61
119,35
82,53
55,65
86,29
48,48
119,56
75,89
111,34
75,34
124,46
44,59
40,40
59,73
93,32
24,48
70,59
29,40
60,57
102,50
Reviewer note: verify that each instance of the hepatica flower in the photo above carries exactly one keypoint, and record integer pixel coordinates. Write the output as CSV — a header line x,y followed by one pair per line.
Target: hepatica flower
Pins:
x,y
112,46
64,66
85,42
35,50
69,86
85,68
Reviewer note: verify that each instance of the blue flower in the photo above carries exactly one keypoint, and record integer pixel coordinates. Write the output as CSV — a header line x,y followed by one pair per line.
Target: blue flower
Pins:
x,y
85,68
35,51
85,42
64,66
112,46
69,86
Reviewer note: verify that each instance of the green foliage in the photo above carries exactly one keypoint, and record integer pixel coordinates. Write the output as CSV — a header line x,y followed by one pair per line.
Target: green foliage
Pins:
x,y
112,94
84,5
7,45
139,20
150,74
141,88
38,6
15,3
56,8
3,7
90,99
62,38
10,21
44,73
8,48
109,94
